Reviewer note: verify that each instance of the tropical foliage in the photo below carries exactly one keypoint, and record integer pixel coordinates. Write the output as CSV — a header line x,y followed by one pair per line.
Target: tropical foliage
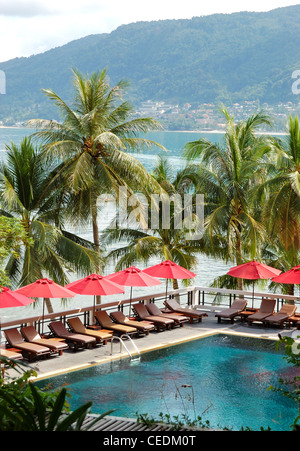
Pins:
x,y
289,386
25,407
165,240
279,195
282,206
12,235
228,175
92,143
250,181
30,193
251,185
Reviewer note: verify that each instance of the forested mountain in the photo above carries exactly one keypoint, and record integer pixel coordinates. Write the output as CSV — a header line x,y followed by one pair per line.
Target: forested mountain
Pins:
x,y
222,57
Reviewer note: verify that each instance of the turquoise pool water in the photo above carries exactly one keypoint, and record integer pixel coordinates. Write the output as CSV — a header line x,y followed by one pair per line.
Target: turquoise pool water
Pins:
x,y
222,378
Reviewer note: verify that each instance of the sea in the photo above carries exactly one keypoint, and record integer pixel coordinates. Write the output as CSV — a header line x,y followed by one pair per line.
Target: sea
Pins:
x,y
207,268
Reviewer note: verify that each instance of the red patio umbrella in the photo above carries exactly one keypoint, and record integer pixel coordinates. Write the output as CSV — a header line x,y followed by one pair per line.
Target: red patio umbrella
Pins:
x,y
45,288
133,277
10,299
253,271
95,285
290,277
169,270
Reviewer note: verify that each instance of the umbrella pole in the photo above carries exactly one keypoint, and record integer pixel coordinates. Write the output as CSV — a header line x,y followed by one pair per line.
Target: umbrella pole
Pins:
x,y
94,308
167,289
253,294
1,349
43,315
130,301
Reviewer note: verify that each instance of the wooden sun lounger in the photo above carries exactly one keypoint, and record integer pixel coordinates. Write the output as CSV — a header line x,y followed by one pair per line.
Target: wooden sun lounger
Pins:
x,y
177,317
191,313
32,350
14,355
294,320
142,326
32,336
286,312
77,340
266,308
8,357
236,308
159,321
106,322
77,326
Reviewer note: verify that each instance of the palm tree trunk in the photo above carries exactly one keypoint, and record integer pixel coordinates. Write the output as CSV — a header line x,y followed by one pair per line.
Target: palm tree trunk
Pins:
x,y
48,305
96,237
291,293
175,287
238,257
175,284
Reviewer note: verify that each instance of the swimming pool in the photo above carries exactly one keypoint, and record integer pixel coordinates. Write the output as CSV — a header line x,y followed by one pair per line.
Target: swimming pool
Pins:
x,y
222,378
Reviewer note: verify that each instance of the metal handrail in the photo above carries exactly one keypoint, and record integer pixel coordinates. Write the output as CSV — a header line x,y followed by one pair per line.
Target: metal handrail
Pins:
x,y
124,345
133,344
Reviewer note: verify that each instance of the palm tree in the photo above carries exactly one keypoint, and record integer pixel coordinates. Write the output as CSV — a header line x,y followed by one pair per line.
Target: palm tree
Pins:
x,y
227,175
29,192
12,235
165,243
92,143
282,207
281,212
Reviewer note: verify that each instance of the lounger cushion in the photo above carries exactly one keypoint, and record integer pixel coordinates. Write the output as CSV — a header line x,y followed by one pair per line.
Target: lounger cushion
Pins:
x,y
173,305
106,322
237,307
143,313
285,312
140,325
78,327
258,316
154,310
15,339
277,318
60,331
11,354
32,336
267,307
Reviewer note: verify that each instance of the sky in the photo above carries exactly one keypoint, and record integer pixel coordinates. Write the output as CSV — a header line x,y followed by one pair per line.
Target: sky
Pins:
x,y
28,27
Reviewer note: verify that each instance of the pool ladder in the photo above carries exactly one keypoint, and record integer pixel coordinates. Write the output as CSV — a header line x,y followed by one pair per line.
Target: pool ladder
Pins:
x,y
120,339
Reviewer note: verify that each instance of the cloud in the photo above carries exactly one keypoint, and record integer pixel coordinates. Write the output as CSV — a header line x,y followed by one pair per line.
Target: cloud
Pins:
x,y
21,8
28,27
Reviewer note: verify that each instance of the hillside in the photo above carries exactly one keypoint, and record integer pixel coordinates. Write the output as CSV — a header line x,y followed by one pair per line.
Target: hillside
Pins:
x,y
222,57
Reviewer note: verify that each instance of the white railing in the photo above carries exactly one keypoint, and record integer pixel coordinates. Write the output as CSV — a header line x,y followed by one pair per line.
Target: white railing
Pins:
x,y
199,297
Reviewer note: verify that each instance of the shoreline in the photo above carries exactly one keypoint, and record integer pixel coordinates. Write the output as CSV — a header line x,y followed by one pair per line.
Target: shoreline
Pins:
x,y
220,132
209,132
14,127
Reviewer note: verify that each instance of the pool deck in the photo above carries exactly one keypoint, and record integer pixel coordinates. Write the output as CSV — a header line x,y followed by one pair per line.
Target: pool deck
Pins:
x,y
72,361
